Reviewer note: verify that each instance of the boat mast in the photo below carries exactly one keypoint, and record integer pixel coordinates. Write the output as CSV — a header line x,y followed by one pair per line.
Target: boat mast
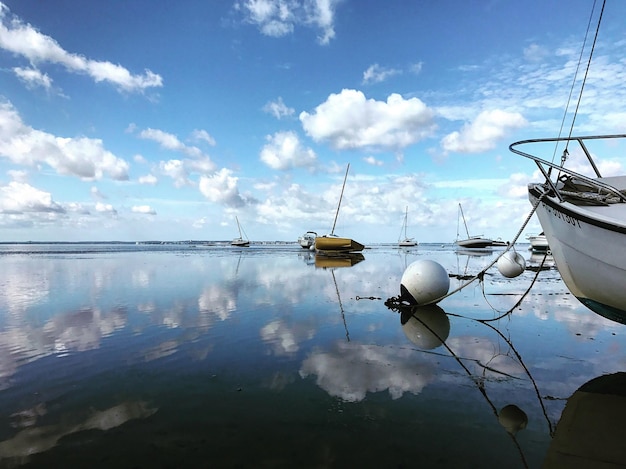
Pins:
x,y
406,215
463,216
332,232
238,227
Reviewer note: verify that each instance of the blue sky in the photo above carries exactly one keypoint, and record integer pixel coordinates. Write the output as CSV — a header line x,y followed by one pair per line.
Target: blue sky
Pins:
x,y
151,120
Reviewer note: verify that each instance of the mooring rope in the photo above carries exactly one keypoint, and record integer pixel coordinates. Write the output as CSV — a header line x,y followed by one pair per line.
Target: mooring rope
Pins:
x,y
396,303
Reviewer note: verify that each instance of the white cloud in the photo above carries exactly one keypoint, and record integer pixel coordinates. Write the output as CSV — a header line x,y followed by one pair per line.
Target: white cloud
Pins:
x,y
176,170
105,208
148,179
33,77
18,197
203,135
484,132
376,74
284,151
169,141
24,40
278,109
277,18
144,209
221,187
350,121
372,161
82,157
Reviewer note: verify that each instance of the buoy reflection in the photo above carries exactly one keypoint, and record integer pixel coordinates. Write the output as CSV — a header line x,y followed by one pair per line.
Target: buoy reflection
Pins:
x,y
426,326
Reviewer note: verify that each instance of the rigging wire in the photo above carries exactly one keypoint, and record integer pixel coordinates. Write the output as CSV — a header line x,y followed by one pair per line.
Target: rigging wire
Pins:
x,y
582,86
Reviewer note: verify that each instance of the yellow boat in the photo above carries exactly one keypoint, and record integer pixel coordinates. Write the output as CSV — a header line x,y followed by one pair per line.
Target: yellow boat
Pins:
x,y
337,244
332,242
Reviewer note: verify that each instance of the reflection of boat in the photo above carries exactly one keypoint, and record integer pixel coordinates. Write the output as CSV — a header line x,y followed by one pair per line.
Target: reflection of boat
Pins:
x,y
538,243
583,216
471,242
307,239
241,241
406,241
590,430
476,252
346,259
332,242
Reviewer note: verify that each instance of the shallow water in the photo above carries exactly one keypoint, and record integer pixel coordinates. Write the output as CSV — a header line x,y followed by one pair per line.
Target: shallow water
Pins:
x,y
213,356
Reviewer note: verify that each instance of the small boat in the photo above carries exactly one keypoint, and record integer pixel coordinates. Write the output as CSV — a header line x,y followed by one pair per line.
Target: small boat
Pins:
x,y
538,243
471,242
583,216
406,241
307,240
240,241
332,242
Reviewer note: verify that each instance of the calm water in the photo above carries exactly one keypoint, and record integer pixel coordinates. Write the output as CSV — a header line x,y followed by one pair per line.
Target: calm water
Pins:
x,y
179,356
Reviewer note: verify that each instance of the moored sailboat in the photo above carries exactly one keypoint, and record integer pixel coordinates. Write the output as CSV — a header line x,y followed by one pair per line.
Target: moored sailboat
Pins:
x,y
240,241
332,243
471,242
406,241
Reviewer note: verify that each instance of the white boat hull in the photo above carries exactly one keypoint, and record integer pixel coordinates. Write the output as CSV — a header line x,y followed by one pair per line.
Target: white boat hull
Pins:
x,y
474,243
587,243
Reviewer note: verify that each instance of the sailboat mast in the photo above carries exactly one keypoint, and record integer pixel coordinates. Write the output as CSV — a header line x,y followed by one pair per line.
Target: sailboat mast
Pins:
x,y
465,224
238,226
340,197
406,216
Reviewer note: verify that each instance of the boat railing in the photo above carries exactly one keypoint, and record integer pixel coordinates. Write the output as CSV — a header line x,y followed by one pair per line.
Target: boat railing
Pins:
x,y
542,164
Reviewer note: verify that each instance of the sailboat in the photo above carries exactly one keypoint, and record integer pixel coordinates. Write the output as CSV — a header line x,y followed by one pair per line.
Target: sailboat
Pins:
x,y
471,242
241,241
406,241
332,243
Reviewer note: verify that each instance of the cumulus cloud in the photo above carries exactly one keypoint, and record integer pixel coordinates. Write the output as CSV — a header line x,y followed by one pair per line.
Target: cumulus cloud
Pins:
x,y
24,40
277,18
105,208
350,121
83,157
179,169
284,151
19,197
148,179
144,209
484,132
222,187
376,74
278,109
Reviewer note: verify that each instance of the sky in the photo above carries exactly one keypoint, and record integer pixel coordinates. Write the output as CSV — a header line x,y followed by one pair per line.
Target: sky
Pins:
x,y
143,120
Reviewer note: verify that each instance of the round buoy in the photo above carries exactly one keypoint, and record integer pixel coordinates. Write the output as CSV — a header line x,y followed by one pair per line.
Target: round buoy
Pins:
x,y
511,264
424,281
426,326
512,418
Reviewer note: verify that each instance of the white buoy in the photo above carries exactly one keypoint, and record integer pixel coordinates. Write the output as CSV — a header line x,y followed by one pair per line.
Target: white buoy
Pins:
x,y
511,264
424,281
